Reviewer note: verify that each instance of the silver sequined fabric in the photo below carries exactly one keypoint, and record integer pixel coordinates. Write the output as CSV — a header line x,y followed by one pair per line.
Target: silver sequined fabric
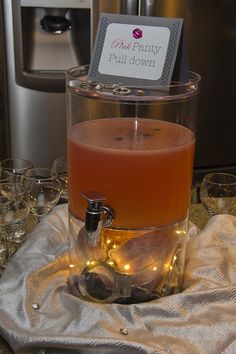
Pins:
x,y
38,315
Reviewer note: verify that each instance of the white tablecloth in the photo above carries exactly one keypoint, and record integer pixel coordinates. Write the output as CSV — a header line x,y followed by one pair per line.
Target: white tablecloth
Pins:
x,y
202,319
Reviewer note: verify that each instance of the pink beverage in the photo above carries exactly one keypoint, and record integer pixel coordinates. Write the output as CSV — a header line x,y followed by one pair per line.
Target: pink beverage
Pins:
x,y
142,166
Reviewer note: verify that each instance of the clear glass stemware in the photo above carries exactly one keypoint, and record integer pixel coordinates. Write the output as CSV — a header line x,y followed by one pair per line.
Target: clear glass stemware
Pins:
x,y
218,193
14,209
44,191
59,170
16,169
16,166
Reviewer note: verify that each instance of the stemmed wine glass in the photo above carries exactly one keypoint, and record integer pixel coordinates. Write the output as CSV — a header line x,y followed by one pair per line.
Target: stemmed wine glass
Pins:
x,y
16,168
4,177
44,191
218,193
59,170
14,208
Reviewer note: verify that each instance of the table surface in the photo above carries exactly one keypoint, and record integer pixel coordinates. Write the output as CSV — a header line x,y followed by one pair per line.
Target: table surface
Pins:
x,y
197,215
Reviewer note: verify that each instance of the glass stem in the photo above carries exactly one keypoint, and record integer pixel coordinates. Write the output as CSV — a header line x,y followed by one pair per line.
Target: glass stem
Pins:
x,y
10,246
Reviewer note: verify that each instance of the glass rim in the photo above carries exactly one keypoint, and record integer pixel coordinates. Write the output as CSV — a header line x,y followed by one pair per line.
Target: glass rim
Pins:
x,y
38,169
77,83
14,160
220,174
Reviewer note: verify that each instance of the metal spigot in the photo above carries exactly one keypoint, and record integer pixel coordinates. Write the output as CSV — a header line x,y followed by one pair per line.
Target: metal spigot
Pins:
x,y
97,216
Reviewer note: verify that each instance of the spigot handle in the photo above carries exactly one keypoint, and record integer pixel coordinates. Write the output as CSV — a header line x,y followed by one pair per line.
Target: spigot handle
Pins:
x,y
95,200
97,215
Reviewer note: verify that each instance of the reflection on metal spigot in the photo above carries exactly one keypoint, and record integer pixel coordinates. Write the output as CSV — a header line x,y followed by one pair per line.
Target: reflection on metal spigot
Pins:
x,y
97,216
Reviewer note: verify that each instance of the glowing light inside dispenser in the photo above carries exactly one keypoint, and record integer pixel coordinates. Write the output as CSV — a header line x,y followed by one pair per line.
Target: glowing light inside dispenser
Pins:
x,y
111,263
127,267
179,232
89,263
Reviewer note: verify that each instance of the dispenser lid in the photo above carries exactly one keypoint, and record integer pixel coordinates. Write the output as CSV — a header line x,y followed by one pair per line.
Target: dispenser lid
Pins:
x,y
78,83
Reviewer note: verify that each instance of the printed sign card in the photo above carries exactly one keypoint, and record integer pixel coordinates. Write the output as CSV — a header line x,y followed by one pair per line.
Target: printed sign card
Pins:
x,y
138,50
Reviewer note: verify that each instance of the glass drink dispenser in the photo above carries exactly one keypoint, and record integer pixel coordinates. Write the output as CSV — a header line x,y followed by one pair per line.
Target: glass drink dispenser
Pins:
x,y
130,161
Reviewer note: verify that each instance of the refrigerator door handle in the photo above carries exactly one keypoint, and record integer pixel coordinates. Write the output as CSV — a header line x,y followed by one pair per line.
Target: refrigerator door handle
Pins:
x,y
146,7
129,7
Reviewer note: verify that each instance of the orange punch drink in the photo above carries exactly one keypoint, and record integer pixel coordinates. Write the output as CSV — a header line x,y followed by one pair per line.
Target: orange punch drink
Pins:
x,y
142,166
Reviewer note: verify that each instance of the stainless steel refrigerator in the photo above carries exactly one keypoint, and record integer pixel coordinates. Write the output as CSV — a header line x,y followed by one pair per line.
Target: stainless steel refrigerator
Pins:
x,y
41,39
36,59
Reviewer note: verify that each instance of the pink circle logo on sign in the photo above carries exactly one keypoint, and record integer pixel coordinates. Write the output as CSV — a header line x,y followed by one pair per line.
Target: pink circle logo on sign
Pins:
x,y
137,33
